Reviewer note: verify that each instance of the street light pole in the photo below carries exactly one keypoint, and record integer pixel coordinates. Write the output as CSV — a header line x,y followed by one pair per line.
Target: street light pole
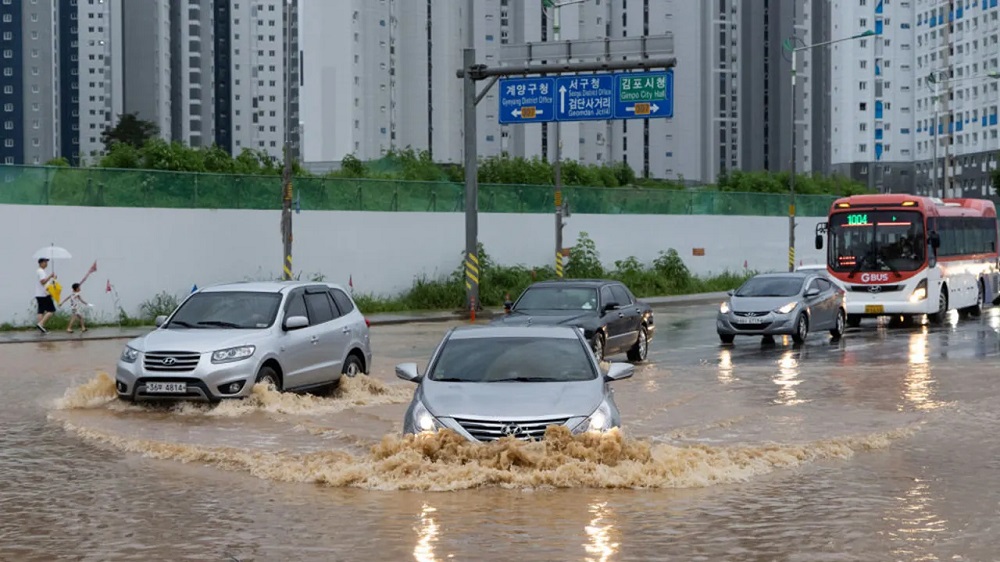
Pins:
x,y
790,46
557,165
286,180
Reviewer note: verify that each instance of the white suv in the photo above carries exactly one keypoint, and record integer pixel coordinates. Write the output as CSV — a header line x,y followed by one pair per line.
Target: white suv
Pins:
x,y
295,336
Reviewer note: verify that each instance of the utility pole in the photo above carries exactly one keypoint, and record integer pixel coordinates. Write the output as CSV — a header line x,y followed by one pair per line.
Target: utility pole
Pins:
x,y
472,271
286,180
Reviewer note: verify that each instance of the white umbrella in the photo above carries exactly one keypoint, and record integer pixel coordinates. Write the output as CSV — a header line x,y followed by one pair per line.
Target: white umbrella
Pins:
x,y
52,253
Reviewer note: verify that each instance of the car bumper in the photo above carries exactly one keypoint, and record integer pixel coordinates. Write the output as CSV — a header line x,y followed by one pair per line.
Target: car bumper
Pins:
x,y
770,325
887,308
206,382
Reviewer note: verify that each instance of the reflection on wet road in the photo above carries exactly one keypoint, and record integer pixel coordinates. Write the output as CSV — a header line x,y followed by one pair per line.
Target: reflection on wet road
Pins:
x,y
880,446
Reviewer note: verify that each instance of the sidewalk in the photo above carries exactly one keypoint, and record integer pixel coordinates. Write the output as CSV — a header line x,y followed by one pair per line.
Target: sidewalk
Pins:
x,y
385,319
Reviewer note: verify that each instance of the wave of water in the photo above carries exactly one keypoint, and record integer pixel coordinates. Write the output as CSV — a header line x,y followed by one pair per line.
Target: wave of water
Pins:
x,y
358,391
446,461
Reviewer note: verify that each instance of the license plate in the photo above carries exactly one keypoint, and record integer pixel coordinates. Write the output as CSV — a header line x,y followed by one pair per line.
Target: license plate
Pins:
x,y
874,309
743,320
167,387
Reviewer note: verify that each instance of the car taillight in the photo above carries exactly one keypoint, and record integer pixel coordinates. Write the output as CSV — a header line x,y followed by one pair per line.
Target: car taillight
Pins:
x,y
368,323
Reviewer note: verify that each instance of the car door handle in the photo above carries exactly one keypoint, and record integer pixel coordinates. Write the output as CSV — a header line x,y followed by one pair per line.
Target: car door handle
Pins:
x,y
621,315
314,339
346,330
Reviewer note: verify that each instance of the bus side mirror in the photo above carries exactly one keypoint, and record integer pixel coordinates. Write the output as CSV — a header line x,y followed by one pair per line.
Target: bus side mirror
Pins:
x,y
934,241
819,241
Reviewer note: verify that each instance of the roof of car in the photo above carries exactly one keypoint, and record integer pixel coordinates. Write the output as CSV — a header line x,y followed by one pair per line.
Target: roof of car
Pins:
x,y
574,282
802,274
264,286
500,331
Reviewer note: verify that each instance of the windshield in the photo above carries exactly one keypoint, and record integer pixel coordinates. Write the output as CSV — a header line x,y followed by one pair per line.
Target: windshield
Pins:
x,y
227,310
876,241
771,287
513,359
558,298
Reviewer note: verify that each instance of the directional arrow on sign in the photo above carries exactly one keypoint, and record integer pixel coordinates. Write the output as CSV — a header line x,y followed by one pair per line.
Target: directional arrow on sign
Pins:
x,y
652,108
562,99
517,112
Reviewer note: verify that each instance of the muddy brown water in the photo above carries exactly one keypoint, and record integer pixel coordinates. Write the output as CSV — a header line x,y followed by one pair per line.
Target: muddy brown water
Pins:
x,y
880,447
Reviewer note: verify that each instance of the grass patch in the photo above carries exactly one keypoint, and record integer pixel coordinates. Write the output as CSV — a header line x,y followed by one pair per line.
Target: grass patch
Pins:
x,y
666,276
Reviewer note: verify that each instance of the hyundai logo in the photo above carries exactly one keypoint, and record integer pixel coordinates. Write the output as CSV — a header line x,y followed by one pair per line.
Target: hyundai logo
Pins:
x,y
169,360
874,289
511,430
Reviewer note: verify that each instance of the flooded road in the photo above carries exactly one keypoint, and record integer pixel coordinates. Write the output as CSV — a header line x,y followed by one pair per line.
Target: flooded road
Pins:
x,y
880,447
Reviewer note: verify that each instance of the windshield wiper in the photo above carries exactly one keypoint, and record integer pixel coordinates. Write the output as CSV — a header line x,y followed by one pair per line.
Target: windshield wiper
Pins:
x,y
181,323
526,379
450,379
219,323
859,265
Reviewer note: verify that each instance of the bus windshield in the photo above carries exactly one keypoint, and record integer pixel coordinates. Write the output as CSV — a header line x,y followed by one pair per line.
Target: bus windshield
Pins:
x,y
877,241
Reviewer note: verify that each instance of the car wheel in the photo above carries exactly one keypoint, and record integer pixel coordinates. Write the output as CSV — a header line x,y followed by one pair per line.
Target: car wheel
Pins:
x,y
640,350
727,338
598,345
942,312
270,377
853,320
838,328
801,329
352,366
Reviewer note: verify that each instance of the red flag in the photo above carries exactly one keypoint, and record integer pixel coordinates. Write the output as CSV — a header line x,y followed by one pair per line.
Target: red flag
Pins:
x,y
108,288
93,268
350,281
744,264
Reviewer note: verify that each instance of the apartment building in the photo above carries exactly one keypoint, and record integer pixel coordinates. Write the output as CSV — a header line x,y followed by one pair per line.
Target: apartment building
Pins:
x,y
387,80
58,82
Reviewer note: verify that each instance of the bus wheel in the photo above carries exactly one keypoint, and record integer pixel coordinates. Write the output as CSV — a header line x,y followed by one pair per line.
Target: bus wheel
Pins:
x,y
976,310
853,320
942,312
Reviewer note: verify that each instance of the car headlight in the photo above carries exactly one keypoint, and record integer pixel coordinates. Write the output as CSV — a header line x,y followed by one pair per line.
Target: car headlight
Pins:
x,y
600,420
423,420
233,354
724,307
788,307
920,293
129,355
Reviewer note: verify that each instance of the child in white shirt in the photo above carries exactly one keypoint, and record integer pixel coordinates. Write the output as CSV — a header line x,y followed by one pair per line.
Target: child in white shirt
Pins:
x,y
75,301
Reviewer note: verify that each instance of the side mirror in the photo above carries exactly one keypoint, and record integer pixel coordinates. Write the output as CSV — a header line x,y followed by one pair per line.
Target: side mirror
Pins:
x,y
610,306
296,323
507,306
160,320
619,371
730,292
934,241
819,241
812,293
408,372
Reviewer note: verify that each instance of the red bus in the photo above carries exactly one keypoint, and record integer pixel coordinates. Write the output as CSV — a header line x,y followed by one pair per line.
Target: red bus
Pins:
x,y
904,256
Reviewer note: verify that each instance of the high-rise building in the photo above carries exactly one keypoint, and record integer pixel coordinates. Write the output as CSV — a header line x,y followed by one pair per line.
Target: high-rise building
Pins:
x,y
59,87
218,73
386,79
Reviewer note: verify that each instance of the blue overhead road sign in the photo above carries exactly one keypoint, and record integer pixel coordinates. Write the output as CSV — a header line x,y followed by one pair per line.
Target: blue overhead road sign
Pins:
x,y
641,95
588,97
585,97
527,100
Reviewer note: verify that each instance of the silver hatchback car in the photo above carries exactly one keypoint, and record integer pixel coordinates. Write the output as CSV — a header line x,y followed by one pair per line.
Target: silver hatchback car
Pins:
x,y
486,383
295,336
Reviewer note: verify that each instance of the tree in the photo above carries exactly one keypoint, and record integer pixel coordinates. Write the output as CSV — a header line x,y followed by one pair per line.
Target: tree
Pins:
x,y
130,130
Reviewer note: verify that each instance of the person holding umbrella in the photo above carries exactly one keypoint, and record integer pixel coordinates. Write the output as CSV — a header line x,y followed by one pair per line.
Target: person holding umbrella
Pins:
x,y
46,306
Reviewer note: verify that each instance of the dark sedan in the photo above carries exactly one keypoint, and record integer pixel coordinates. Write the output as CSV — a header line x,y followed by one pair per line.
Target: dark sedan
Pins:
x,y
612,319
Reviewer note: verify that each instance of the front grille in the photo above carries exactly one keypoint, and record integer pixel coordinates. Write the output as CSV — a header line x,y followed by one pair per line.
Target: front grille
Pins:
x,y
171,361
877,288
525,430
752,314
752,327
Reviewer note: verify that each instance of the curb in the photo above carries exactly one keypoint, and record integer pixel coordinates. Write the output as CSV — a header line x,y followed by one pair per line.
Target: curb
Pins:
x,y
387,319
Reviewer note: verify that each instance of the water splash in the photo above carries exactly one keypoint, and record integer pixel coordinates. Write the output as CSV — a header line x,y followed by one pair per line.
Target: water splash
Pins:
x,y
446,461
100,392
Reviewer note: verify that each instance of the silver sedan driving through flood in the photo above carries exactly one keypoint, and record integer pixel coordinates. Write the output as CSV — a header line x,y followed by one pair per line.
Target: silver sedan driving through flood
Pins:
x,y
486,383
783,304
